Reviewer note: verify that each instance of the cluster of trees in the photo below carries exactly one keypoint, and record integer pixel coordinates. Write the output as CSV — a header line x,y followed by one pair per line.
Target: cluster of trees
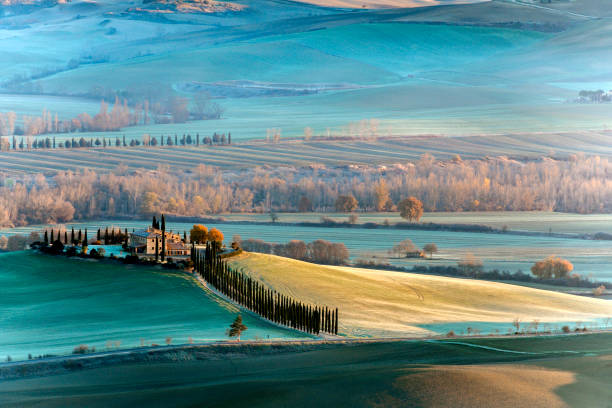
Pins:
x,y
256,297
598,96
407,249
319,251
171,110
29,142
199,234
18,242
581,185
552,267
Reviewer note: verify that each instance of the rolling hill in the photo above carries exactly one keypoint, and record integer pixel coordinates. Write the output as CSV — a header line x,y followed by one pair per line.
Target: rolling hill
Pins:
x,y
455,69
383,303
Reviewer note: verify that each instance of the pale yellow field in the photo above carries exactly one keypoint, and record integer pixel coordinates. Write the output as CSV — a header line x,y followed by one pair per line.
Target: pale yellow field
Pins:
x,y
384,303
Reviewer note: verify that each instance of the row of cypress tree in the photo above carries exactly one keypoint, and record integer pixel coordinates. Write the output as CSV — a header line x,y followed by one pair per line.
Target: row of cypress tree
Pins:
x,y
112,238
75,238
259,299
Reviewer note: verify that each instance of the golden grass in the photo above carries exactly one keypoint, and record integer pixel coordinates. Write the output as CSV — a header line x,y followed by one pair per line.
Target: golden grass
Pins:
x,y
473,386
385,303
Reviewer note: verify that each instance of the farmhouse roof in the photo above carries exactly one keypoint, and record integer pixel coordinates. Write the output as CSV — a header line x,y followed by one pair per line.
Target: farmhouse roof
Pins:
x,y
145,234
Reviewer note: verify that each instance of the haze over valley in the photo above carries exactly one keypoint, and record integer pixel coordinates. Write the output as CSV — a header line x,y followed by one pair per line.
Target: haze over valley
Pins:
x,y
374,203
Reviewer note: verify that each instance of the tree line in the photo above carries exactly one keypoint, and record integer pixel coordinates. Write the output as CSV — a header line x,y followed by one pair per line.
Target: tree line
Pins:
x,y
319,251
254,296
171,109
580,185
15,143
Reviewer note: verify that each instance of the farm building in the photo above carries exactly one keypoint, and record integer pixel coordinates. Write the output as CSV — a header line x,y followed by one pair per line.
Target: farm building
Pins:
x,y
143,242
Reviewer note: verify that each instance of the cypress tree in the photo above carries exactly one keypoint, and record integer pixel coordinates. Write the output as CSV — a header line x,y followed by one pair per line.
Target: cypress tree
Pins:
x,y
65,237
106,236
52,238
163,229
80,240
156,248
85,238
98,236
336,322
72,236
46,238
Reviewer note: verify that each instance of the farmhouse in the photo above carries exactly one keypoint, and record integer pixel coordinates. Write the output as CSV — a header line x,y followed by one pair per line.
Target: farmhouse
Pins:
x,y
144,243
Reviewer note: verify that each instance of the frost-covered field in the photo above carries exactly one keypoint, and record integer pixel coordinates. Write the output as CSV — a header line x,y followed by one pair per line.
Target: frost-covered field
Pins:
x,y
497,251
384,151
409,78
51,305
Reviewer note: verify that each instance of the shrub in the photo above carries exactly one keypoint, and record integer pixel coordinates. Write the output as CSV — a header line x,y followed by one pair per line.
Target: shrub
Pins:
x,y
82,349
450,334
598,291
565,329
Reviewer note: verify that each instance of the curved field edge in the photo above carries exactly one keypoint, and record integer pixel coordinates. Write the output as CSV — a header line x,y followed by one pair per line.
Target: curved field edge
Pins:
x,y
50,305
356,374
376,303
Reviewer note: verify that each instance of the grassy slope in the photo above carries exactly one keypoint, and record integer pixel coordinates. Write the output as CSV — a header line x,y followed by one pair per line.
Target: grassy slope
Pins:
x,y
383,303
420,374
52,305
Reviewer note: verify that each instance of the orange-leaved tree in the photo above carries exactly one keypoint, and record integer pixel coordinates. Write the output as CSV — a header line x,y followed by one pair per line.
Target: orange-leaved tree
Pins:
x,y
198,234
411,208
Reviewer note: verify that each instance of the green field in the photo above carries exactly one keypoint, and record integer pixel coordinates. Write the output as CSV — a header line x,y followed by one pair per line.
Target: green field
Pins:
x,y
51,305
569,371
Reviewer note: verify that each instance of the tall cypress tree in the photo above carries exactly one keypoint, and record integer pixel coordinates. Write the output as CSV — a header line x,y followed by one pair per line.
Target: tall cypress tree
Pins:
x,y
336,322
156,248
52,238
46,238
163,229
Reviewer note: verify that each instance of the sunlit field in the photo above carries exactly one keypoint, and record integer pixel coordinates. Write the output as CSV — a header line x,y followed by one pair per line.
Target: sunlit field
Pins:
x,y
381,303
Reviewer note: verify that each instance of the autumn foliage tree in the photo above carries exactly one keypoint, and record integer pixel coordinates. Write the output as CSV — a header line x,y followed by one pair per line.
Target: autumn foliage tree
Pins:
x,y
346,203
552,267
411,208
215,236
198,234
